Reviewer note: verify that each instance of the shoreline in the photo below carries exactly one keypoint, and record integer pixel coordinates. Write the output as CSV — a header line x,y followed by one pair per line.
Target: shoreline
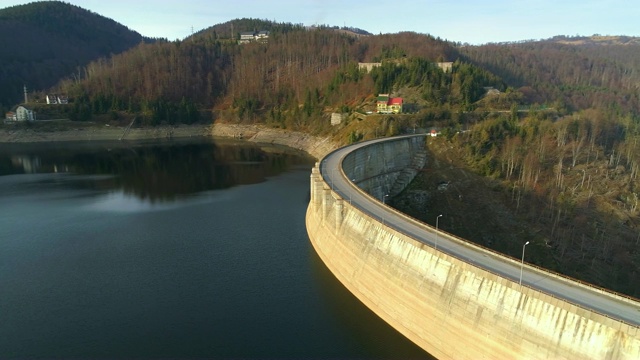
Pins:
x,y
313,145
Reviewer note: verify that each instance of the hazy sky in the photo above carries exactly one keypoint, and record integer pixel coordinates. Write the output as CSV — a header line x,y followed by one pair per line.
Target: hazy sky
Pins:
x,y
470,21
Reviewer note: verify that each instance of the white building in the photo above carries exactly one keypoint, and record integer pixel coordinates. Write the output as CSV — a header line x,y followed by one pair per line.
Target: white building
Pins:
x,y
57,99
246,37
52,99
336,118
262,35
251,36
24,114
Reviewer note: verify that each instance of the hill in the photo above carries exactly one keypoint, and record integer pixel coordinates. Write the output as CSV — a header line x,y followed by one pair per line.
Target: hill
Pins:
x,y
572,73
46,41
595,40
292,80
314,71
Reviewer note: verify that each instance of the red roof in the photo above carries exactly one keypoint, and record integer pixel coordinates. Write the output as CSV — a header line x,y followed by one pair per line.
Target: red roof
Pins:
x,y
395,101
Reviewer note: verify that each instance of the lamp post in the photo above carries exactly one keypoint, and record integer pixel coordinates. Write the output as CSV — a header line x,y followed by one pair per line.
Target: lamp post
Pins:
x,y
353,181
383,203
522,263
437,218
333,178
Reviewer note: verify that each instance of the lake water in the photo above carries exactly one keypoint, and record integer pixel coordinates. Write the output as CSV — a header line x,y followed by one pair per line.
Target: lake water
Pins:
x,y
170,249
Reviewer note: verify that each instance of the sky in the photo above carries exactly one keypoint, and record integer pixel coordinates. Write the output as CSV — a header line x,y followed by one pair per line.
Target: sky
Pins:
x,y
464,21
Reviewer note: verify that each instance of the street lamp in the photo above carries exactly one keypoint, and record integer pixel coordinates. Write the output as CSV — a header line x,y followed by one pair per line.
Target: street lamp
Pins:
x,y
333,176
353,181
437,218
383,203
522,263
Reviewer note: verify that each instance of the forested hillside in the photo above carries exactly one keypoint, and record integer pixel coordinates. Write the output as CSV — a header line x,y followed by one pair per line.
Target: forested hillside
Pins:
x,y
293,80
43,42
573,73
572,185
570,175
301,74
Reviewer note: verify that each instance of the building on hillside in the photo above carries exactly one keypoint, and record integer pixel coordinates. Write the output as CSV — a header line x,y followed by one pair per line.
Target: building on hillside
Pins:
x,y
445,66
395,105
381,103
388,105
336,118
57,99
25,114
368,66
246,37
11,116
251,36
490,90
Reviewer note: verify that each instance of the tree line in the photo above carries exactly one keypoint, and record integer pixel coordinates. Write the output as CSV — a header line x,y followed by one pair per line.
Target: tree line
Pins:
x,y
569,76
575,179
288,82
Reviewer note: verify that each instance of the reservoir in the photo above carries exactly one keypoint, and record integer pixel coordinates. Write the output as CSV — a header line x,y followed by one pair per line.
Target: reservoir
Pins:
x,y
180,249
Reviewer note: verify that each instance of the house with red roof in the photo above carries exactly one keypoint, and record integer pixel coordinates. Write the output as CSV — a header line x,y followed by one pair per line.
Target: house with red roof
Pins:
x,y
388,105
21,113
11,116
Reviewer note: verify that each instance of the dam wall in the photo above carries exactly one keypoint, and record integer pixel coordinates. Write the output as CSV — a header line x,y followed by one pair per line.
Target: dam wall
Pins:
x,y
447,306
385,168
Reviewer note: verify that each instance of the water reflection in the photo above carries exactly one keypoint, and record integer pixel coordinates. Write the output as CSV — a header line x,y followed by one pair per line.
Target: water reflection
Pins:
x,y
94,271
29,164
152,171
121,202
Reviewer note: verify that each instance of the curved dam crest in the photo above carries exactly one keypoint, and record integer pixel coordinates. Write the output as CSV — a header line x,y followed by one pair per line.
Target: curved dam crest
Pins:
x,y
448,305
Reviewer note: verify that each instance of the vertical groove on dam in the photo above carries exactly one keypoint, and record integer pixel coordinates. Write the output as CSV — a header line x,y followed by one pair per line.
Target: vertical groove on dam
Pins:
x,y
450,308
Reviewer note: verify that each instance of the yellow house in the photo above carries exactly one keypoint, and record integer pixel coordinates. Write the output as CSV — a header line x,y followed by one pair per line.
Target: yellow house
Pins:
x,y
388,105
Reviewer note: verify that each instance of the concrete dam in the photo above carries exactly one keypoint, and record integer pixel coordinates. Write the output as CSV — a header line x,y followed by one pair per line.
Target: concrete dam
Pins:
x,y
454,299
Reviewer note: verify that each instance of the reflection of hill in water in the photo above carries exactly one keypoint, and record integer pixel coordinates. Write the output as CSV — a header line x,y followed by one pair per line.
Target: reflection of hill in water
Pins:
x,y
157,171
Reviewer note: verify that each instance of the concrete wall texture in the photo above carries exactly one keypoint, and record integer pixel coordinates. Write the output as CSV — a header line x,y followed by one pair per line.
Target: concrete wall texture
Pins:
x,y
387,168
450,308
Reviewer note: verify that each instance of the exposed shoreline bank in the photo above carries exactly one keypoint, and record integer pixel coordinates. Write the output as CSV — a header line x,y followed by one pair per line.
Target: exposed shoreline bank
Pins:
x,y
313,145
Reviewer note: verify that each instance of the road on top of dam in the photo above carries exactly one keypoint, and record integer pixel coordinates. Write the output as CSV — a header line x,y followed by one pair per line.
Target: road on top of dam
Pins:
x,y
586,297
